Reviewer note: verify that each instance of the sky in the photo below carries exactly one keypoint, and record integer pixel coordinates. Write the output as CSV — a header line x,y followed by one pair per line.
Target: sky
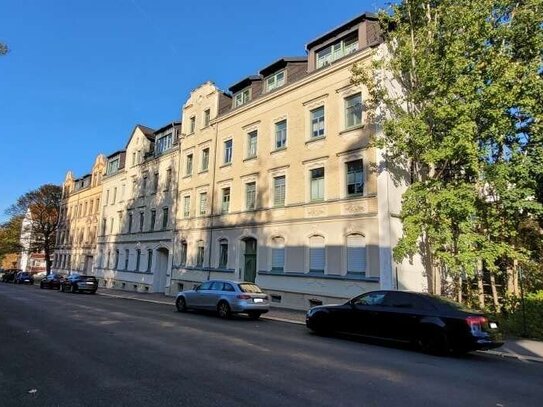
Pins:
x,y
80,74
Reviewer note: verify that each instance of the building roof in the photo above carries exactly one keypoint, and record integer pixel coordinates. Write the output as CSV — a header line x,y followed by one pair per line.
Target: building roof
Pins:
x,y
118,152
166,127
244,83
280,63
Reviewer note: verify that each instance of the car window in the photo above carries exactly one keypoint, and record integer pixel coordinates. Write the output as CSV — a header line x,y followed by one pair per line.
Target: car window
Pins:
x,y
249,288
217,286
205,286
375,298
228,287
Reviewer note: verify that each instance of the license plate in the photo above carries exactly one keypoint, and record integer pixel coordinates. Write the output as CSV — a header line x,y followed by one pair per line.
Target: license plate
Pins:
x,y
493,325
258,300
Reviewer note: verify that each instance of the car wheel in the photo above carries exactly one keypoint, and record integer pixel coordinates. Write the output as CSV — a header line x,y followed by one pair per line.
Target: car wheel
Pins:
x,y
434,342
223,309
181,304
254,314
73,289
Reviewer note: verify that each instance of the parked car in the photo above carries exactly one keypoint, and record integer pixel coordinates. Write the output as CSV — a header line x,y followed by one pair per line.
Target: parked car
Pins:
x,y
23,277
226,297
9,275
434,324
75,283
53,281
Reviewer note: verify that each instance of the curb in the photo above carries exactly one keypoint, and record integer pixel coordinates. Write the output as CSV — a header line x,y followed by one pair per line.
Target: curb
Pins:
x,y
511,356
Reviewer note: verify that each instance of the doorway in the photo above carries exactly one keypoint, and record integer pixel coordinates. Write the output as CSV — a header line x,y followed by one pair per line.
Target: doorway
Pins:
x,y
249,259
161,269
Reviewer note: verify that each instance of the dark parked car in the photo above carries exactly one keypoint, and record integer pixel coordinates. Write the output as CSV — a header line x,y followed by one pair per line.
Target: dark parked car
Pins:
x,y
9,275
24,277
53,281
434,324
75,283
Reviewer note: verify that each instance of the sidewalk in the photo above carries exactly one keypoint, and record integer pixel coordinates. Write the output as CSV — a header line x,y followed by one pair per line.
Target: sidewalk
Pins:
x,y
522,349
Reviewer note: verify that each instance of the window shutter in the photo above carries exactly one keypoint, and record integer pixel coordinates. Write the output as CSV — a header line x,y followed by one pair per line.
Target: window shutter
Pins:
x,y
356,254
317,254
278,258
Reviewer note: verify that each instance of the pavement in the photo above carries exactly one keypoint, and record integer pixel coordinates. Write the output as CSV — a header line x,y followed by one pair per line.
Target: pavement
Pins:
x,y
522,349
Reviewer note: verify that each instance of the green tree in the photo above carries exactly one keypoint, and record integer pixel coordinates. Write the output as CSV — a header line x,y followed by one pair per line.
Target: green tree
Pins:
x,y
3,49
10,233
456,87
42,205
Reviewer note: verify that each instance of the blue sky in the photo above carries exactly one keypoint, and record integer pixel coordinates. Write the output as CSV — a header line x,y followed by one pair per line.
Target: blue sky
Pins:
x,y
81,74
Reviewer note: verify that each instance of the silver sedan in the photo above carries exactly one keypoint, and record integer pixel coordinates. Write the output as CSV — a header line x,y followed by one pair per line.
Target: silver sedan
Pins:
x,y
226,297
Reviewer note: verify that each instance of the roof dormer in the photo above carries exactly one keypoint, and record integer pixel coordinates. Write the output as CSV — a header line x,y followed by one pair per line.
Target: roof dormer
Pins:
x,y
245,90
284,70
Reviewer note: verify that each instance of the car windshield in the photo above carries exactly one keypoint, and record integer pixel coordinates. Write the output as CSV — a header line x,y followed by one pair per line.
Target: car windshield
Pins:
x,y
249,288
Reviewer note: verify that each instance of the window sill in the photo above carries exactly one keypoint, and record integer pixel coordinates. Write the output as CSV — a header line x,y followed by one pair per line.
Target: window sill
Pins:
x,y
348,130
250,158
203,172
226,165
313,139
187,176
278,150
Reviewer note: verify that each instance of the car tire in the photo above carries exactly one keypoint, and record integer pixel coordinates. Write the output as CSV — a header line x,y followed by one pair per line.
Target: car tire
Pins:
x,y
433,342
223,309
73,289
181,304
254,314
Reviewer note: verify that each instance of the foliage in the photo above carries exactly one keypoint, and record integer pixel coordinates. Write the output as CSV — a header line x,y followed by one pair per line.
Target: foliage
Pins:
x,y
10,233
512,320
3,49
457,89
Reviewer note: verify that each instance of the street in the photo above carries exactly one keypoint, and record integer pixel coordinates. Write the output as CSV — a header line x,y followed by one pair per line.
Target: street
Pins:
x,y
59,349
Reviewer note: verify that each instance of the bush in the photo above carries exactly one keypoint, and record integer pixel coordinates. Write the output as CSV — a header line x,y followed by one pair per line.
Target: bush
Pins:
x,y
511,319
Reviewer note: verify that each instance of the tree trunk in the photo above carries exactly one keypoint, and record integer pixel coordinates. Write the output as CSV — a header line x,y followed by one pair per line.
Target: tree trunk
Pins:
x,y
516,289
459,289
509,274
47,253
494,292
480,287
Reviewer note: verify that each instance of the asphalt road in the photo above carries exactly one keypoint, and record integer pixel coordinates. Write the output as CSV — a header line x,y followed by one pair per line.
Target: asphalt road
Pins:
x,y
60,349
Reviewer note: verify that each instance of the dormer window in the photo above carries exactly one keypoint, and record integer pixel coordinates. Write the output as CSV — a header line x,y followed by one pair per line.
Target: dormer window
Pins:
x,y
242,97
275,81
337,50
113,166
163,144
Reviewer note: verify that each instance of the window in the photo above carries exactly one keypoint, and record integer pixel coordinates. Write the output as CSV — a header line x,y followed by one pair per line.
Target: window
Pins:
x,y
279,190
105,203
144,186
242,97
223,253
126,258
317,184
134,158
164,218
355,177
114,195
356,254
186,206
250,196
207,117
192,124
317,254
116,261
149,260
153,219
138,259
280,134
85,208
278,254
228,151
335,51
155,182
205,159
113,166
317,122
184,252
251,144
168,178
374,298
130,217
163,144
188,167
108,259
353,111
275,81
134,187
203,203
225,204
142,220
104,226
200,253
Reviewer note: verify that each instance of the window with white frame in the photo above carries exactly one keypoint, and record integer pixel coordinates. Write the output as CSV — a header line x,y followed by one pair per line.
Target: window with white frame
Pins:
x,y
275,81
228,151
192,124
225,202
278,254
337,50
163,144
279,187
355,177
250,195
356,254
188,166
200,253
353,110
168,178
317,254
113,166
317,184
205,159
207,117
203,203
252,144
317,122
242,97
280,134
223,253
186,206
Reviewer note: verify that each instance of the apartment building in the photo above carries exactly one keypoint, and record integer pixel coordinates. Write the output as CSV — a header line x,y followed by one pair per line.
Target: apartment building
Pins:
x,y
280,185
78,220
139,188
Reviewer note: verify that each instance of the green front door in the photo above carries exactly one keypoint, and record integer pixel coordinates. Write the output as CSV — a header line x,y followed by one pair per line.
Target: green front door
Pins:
x,y
249,268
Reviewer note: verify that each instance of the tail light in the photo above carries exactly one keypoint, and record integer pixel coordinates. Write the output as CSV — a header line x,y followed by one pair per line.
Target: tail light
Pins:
x,y
244,297
476,322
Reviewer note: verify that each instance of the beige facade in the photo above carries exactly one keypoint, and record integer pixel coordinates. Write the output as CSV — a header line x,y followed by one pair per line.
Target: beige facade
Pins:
x,y
138,202
294,197
79,214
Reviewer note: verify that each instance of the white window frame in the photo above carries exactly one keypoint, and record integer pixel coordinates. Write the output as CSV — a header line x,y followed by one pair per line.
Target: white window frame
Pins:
x,y
315,249
242,97
337,50
280,135
252,148
319,121
204,161
228,151
276,80
347,108
248,207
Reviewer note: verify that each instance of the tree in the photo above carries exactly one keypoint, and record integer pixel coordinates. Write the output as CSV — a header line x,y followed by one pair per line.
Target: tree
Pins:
x,y
457,88
42,205
3,49
10,233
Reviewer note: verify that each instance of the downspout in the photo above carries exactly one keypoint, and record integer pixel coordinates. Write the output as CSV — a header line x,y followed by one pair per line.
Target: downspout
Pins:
x,y
212,215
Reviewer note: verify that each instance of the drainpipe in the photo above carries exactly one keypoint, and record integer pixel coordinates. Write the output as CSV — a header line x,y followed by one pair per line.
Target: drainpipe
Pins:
x,y
212,215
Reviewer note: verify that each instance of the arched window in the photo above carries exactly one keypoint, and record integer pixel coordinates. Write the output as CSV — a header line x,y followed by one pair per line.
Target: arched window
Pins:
x,y
223,253
200,253
317,254
356,254
278,254
184,248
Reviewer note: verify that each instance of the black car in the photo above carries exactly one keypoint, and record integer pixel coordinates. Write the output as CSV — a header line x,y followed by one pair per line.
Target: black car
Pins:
x,y
9,275
53,280
434,324
76,283
24,277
